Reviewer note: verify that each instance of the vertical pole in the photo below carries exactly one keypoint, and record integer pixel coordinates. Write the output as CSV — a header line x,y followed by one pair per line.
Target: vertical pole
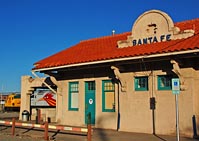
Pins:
x,y
1,98
89,127
1,104
46,131
13,126
153,118
38,117
153,109
177,118
118,103
194,127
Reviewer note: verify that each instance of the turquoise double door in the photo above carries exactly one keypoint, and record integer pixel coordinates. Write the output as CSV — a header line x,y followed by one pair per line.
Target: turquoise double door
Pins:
x,y
90,101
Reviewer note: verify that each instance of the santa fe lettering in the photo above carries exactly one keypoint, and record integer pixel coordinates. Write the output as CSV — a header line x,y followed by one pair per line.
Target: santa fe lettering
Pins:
x,y
150,40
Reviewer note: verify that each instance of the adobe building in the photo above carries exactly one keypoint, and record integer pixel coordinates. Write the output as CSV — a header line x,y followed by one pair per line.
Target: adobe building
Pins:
x,y
125,80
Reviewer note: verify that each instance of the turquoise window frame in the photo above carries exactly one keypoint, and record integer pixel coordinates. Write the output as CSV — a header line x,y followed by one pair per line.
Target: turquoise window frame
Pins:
x,y
166,81
73,88
104,90
141,83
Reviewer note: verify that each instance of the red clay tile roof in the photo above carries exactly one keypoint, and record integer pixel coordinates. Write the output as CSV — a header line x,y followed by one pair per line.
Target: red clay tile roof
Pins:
x,y
105,48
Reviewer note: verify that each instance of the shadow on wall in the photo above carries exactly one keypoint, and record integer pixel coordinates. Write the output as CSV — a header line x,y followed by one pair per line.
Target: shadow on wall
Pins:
x,y
195,127
102,133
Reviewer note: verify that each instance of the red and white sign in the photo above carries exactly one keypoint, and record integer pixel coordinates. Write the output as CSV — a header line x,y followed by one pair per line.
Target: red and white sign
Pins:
x,y
43,97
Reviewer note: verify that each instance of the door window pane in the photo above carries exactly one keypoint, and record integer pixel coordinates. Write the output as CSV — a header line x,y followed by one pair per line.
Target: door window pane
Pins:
x,y
91,85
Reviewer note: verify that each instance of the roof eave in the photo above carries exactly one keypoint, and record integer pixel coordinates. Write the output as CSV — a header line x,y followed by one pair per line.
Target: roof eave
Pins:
x,y
117,59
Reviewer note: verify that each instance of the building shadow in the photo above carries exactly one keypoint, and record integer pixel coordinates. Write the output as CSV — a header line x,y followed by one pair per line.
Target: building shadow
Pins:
x,y
159,137
102,134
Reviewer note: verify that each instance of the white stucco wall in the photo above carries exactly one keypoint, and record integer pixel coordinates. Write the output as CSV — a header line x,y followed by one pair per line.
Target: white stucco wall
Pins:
x,y
77,118
135,112
27,87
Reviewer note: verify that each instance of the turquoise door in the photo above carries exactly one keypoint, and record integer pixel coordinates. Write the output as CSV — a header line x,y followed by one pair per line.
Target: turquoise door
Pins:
x,y
90,101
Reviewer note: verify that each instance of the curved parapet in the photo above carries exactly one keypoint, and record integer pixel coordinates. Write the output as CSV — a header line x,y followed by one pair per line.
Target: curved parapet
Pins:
x,y
154,26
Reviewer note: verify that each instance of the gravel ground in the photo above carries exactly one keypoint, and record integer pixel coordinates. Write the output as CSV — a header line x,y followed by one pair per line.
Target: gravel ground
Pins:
x,y
9,115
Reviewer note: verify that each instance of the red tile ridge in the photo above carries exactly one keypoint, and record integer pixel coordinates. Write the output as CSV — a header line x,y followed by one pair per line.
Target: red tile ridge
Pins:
x,y
187,21
107,37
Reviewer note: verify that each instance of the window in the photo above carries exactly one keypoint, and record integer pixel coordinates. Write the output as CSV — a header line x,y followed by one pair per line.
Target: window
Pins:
x,y
73,96
164,82
108,96
141,83
17,96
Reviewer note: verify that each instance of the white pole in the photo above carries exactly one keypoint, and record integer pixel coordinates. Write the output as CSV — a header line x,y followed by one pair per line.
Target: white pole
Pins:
x,y
1,102
2,94
177,119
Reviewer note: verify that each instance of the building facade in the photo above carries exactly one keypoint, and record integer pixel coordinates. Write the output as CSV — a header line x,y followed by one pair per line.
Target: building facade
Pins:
x,y
124,80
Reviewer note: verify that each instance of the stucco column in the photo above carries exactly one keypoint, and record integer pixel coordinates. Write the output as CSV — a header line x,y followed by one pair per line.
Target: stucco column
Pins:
x,y
25,97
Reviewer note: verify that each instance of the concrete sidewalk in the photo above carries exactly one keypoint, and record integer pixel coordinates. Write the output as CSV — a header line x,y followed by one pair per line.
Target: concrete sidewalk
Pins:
x,y
109,135
22,134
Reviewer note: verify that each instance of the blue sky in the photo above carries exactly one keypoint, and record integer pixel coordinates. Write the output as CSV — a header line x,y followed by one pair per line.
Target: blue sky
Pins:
x,y
31,30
